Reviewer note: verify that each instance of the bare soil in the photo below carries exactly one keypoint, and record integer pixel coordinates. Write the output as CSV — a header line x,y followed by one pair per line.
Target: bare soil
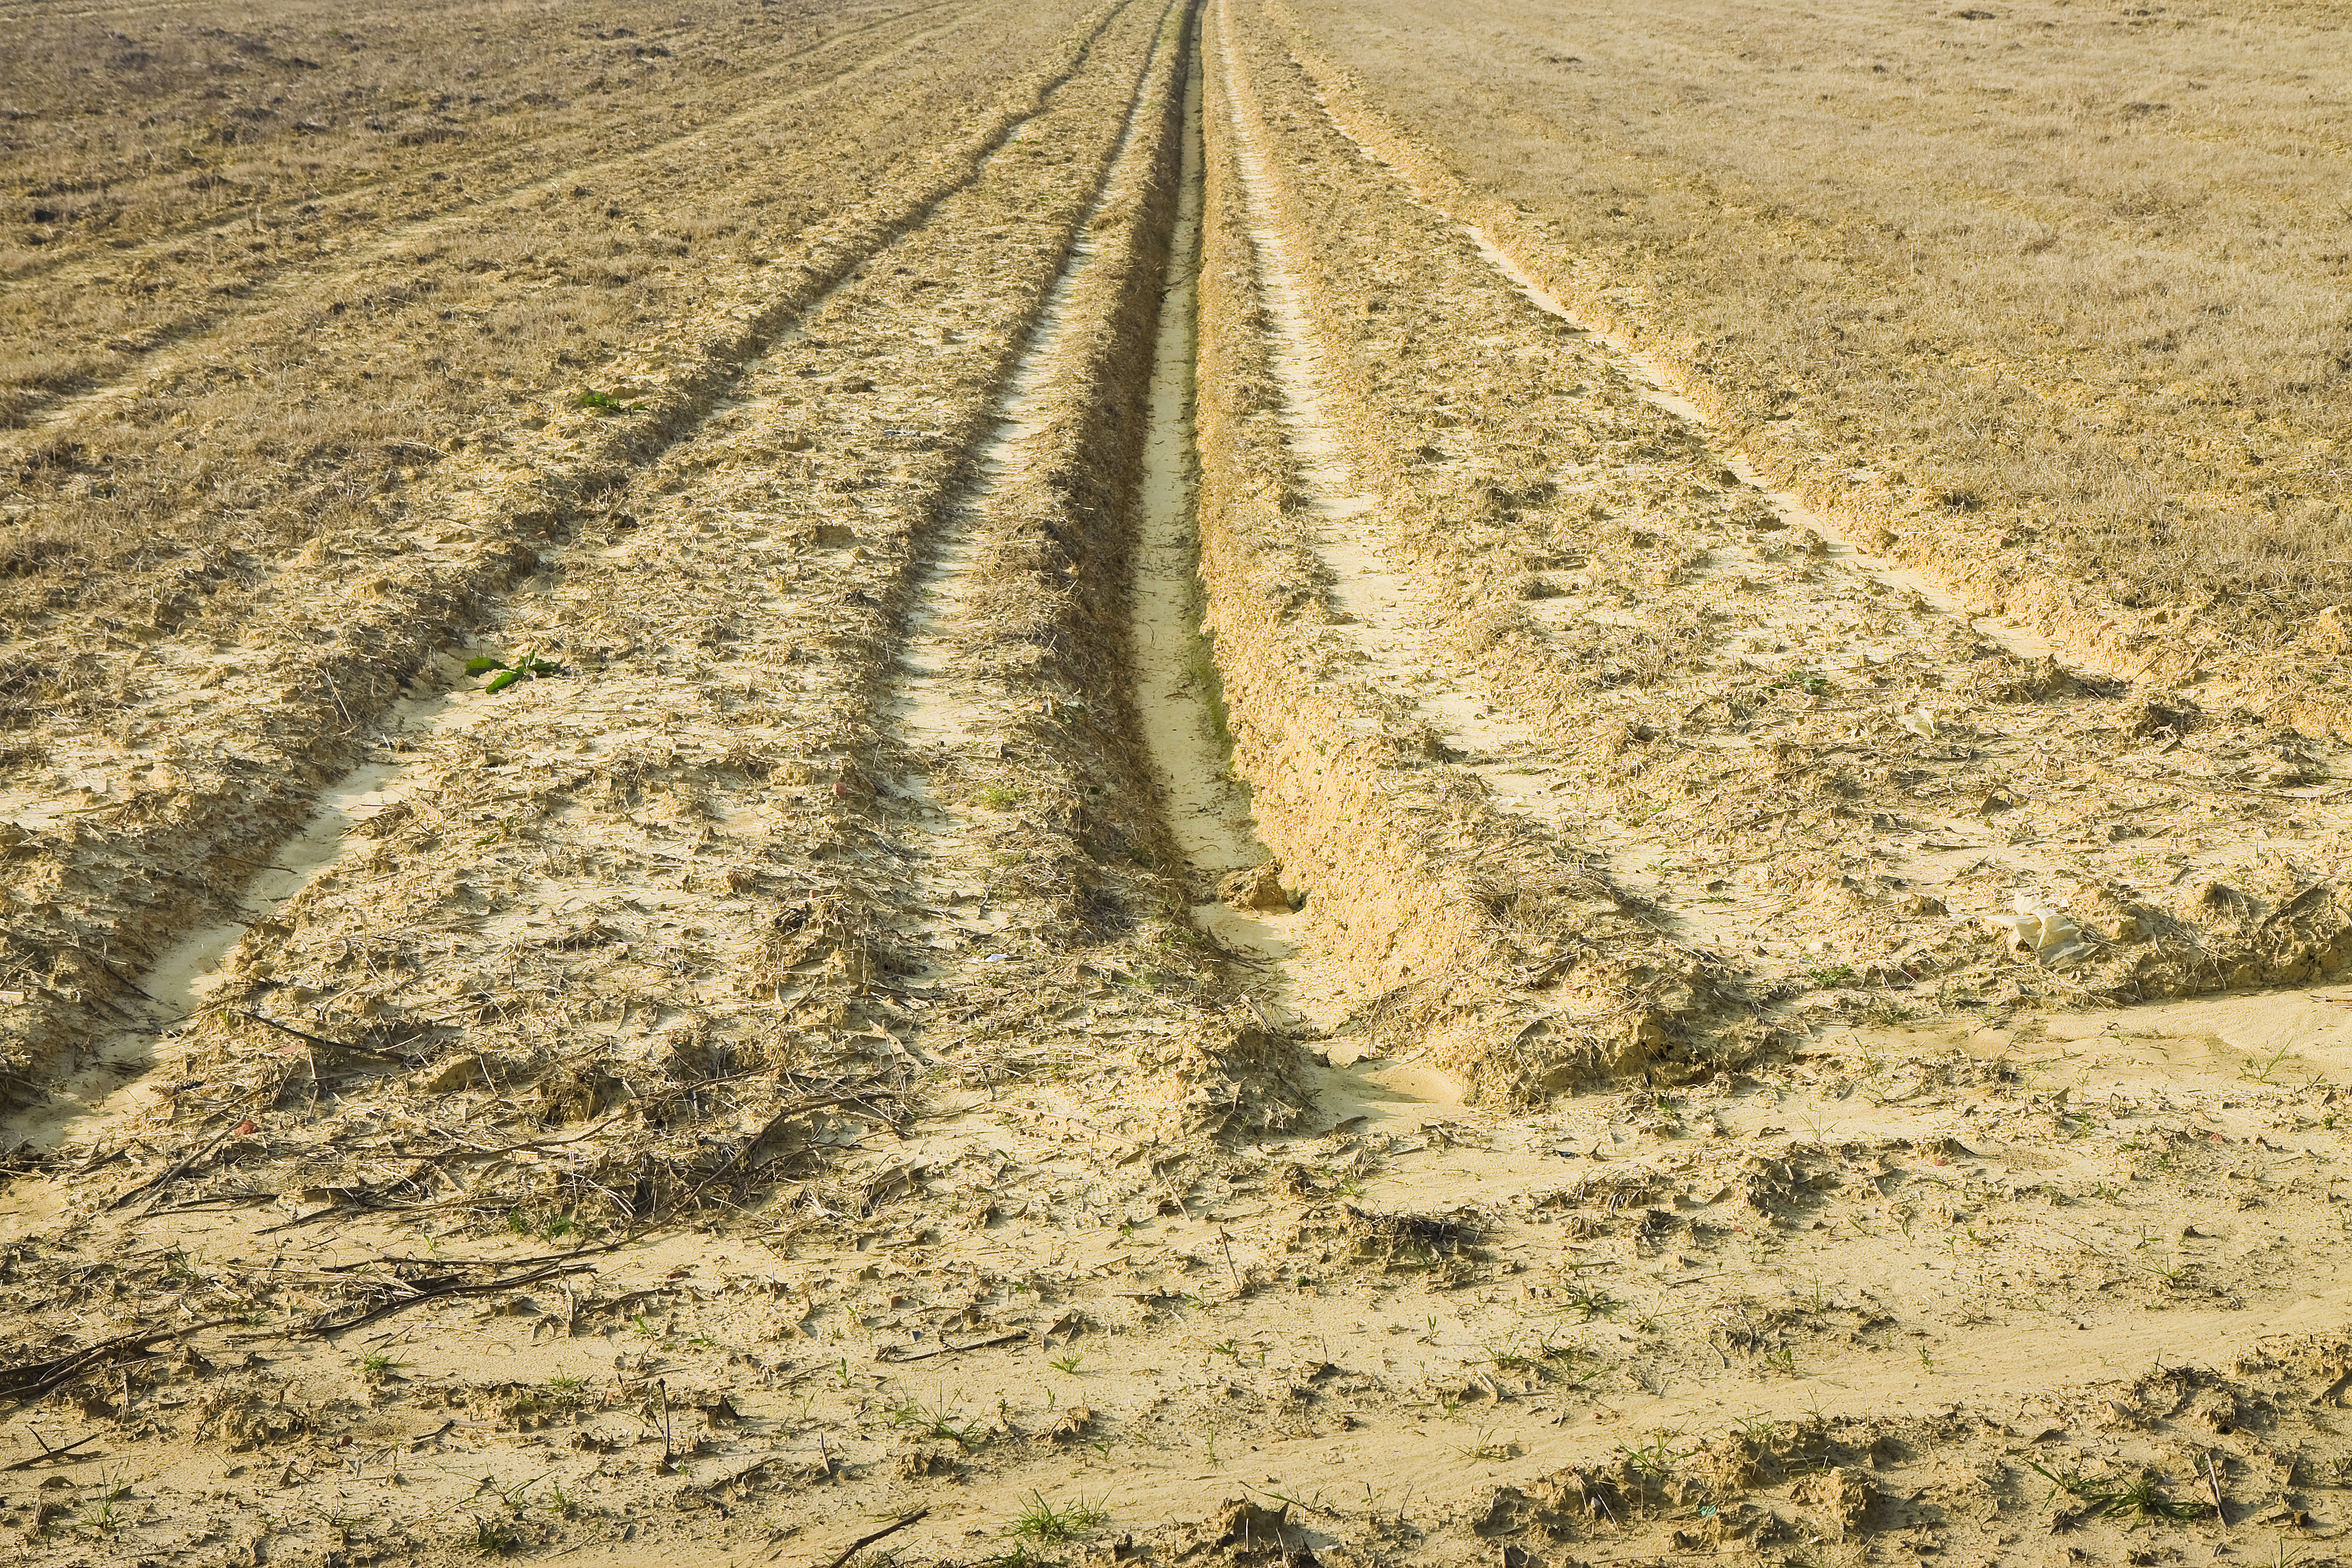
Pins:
x,y
1137,852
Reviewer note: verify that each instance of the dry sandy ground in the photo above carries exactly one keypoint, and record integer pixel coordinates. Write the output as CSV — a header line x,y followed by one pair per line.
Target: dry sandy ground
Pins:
x,y
1173,875
2046,297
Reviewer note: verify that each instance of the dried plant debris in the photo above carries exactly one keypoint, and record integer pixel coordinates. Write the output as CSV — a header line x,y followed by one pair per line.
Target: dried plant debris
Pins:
x,y
921,786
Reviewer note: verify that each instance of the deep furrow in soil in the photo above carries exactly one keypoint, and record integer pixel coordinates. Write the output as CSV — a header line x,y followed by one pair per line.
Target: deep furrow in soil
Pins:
x,y
1393,625
696,794
169,347
1230,885
98,899
1017,781
1808,765
1465,916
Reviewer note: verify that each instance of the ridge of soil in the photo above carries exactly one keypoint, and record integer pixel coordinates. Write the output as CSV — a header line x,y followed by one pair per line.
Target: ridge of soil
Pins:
x,y
1135,860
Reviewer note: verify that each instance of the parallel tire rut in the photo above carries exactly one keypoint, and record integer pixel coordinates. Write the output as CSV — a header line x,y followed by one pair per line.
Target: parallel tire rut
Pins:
x,y
215,823
1155,867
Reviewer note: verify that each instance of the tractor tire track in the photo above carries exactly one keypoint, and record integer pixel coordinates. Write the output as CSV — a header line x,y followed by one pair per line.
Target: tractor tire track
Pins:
x,y
173,347
113,894
1524,971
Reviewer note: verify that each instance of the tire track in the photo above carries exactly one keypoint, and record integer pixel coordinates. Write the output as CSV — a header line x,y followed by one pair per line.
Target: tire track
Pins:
x,y
947,710
1395,632
186,343
1019,765
1391,624
1427,187
141,886
1471,929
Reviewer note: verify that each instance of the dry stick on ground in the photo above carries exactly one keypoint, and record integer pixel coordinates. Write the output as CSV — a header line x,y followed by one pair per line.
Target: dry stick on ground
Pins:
x,y
421,1439
798,1108
863,1542
947,1348
441,1289
47,1454
38,1377
397,1258
153,1189
285,1028
116,974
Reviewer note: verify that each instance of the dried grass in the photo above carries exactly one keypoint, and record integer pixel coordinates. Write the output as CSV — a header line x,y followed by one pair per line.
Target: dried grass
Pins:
x,y
160,167
2062,287
321,413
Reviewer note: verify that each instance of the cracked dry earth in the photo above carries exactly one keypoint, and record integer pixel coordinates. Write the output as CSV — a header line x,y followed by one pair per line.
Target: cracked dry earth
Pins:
x,y
1175,878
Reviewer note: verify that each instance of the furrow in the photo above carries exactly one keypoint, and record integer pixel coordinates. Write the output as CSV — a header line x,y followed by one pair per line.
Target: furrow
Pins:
x,y
1017,779
1798,757
105,892
1230,884
1467,920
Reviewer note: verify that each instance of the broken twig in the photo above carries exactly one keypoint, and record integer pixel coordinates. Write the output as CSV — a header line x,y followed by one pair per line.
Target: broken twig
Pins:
x,y
945,1348
439,1289
35,1378
863,1542
47,1453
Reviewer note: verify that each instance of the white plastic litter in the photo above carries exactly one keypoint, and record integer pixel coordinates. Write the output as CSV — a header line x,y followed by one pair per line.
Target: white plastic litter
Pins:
x,y
1920,721
2041,931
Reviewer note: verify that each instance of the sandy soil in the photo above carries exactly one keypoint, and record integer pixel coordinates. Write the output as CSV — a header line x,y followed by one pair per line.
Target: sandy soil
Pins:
x,y
1170,875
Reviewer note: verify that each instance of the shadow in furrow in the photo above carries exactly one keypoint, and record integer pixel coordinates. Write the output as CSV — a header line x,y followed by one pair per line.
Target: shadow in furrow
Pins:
x,y
1178,695
223,831
1233,887
937,711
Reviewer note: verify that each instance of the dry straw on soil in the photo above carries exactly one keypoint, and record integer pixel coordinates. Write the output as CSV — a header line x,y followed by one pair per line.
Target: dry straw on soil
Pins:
x,y
766,1086
2055,293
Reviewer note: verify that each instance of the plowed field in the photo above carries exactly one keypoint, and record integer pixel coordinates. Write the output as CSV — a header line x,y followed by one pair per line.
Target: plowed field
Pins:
x,y
967,783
